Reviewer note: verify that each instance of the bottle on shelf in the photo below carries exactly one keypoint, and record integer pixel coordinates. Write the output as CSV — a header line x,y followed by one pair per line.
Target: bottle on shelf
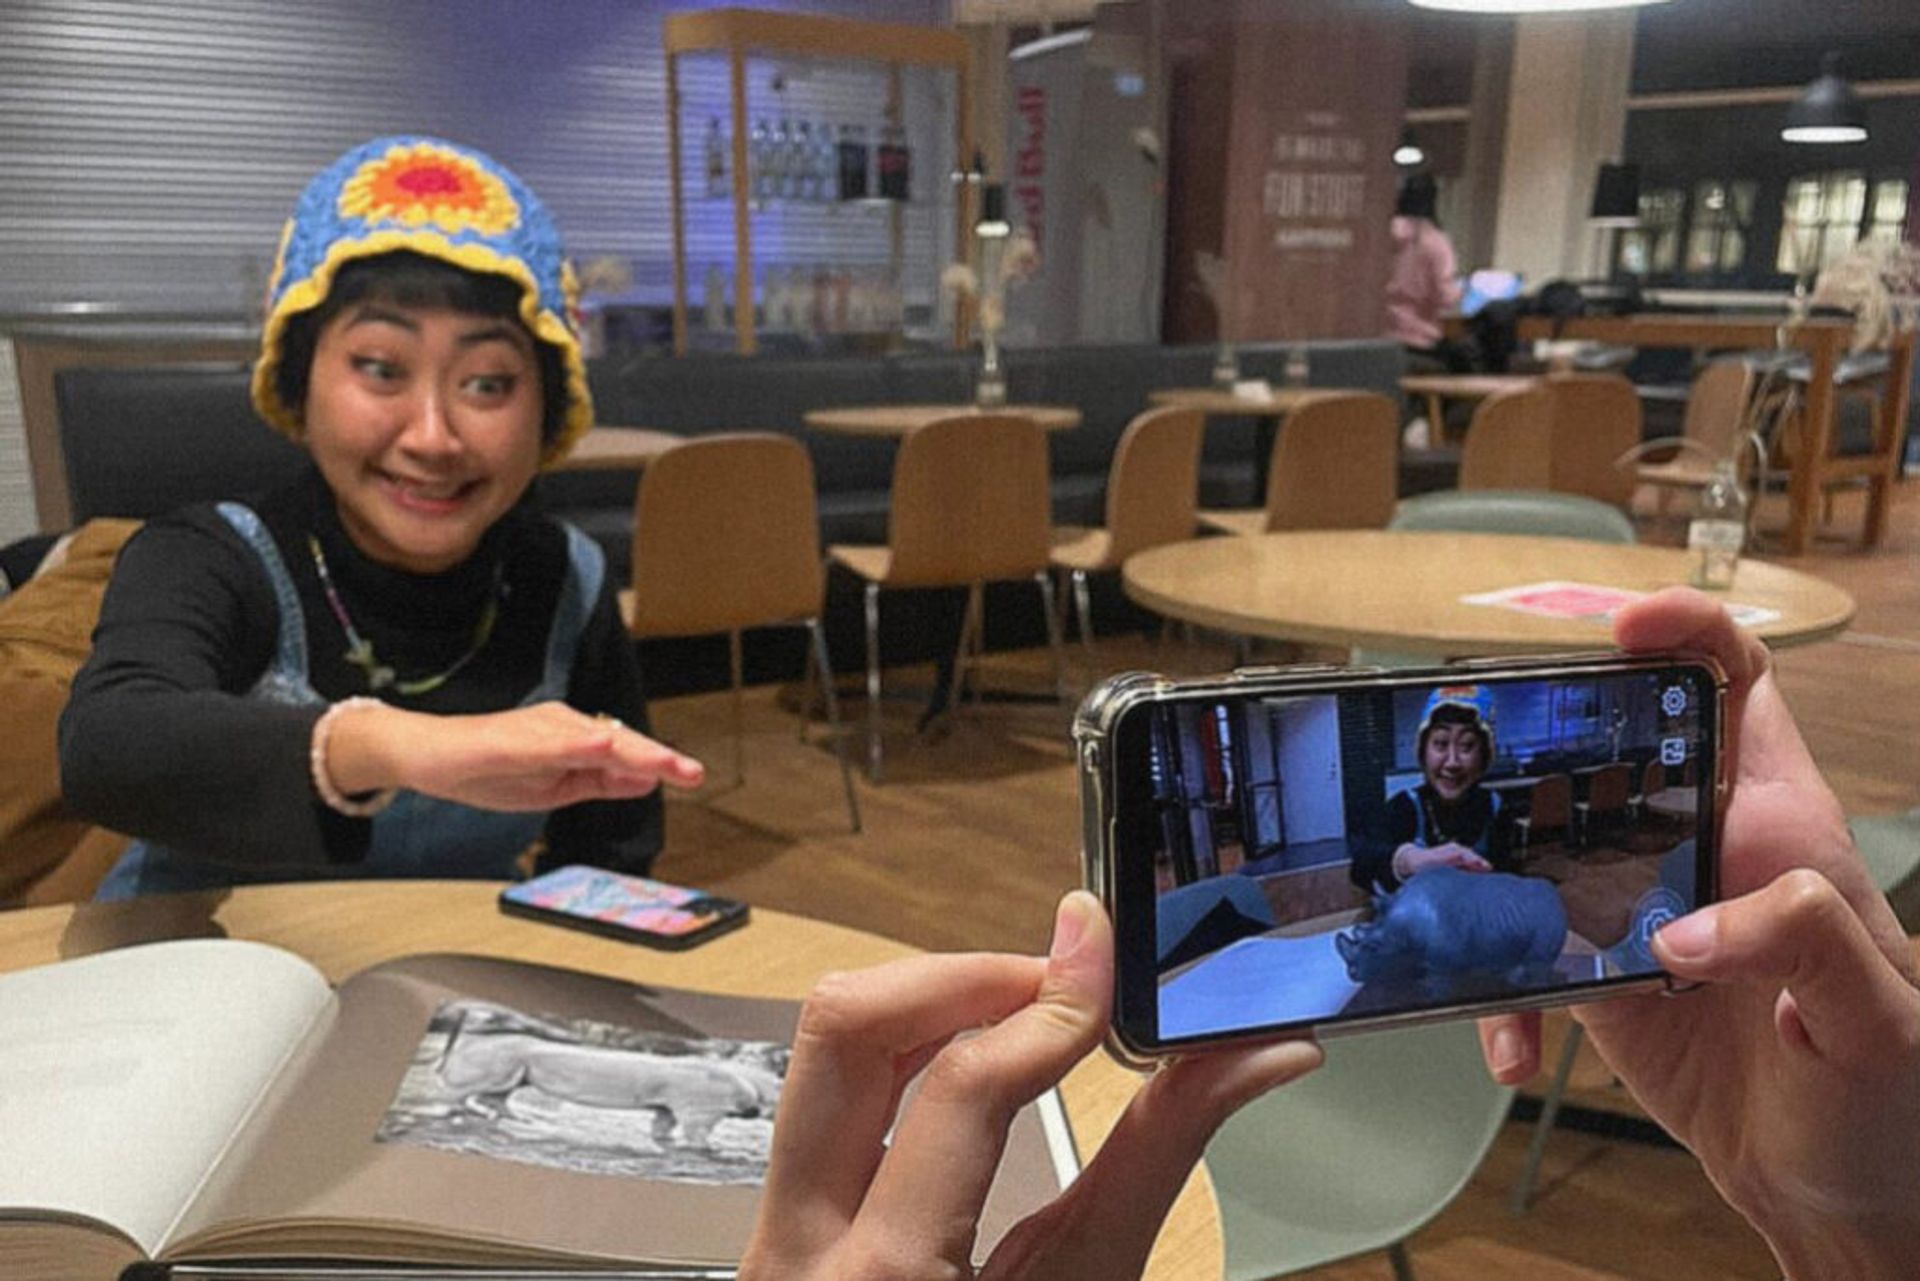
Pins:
x,y
716,147
894,162
778,146
826,161
713,310
757,149
852,154
801,176
1297,370
1718,530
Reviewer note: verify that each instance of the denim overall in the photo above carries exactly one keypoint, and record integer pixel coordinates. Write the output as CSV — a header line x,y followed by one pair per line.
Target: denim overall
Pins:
x,y
416,835
1428,837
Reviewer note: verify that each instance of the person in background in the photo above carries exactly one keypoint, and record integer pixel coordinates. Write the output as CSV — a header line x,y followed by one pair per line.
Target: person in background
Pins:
x,y
1424,281
1449,820
1793,1076
391,666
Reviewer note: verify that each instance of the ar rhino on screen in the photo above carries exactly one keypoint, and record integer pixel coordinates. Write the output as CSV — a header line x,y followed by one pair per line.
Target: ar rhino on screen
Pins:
x,y
1446,922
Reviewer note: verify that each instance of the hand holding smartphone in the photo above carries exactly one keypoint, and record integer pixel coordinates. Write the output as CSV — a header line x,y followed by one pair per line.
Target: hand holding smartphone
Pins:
x,y
1325,850
632,908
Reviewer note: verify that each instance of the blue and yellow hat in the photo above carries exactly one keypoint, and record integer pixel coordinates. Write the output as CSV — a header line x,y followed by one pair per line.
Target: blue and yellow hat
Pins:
x,y
437,199
1475,700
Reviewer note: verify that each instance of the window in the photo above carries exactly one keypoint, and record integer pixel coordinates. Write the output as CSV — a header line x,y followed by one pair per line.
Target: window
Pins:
x,y
1889,211
1717,231
1654,246
1822,218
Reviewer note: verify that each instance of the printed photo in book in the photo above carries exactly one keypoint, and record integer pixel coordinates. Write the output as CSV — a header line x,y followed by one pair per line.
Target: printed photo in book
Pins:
x,y
214,1101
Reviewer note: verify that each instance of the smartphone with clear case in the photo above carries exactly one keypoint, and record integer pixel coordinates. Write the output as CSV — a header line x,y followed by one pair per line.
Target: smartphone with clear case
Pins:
x,y
1326,850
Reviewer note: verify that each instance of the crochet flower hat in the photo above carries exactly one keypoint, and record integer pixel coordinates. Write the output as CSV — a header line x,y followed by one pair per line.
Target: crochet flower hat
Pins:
x,y
440,200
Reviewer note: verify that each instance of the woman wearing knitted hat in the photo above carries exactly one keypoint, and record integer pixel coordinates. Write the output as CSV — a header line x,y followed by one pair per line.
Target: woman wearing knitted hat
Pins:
x,y
1449,820
391,667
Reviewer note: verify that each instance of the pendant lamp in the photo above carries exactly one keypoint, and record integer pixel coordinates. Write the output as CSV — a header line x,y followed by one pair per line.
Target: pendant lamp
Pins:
x,y
1829,110
1530,6
1409,153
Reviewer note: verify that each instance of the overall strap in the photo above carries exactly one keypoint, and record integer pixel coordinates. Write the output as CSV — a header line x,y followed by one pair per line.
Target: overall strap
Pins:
x,y
586,571
290,655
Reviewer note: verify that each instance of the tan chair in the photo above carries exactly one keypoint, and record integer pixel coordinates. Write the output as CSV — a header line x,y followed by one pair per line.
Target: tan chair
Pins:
x,y
1151,492
1596,419
1510,442
1716,412
970,506
1549,809
1333,467
1606,800
725,537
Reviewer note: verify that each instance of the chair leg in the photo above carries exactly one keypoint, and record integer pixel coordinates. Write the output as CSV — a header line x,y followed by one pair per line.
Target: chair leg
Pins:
x,y
735,667
873,681
1054,638
971,645
1402,1262
1549,1113
1083,607
832,700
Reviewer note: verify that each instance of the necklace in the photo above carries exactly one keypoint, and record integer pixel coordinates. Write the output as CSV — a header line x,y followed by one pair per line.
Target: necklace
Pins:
x,y
360,650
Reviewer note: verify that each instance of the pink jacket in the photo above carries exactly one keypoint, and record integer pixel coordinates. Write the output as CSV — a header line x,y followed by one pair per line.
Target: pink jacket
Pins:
x,y
1422,285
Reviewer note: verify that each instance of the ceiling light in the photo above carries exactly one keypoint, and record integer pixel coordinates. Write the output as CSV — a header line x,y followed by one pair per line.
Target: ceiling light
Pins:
x,y
1408,153
1529,6
1829,110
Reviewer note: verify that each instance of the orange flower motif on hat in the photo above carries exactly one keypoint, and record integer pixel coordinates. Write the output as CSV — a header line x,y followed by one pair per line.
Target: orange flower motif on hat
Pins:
x,y
423,185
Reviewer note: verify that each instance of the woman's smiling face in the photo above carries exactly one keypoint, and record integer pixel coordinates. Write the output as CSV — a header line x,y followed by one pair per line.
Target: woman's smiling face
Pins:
x,y
1455,758
425,423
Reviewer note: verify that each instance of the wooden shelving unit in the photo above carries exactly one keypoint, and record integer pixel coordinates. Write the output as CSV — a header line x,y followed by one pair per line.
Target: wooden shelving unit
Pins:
x,y
742,33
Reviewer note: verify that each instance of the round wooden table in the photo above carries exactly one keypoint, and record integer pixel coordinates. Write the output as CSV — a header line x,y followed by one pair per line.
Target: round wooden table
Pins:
x,y
618,449
1438,389
900,420
1401,590
344,926
1277,403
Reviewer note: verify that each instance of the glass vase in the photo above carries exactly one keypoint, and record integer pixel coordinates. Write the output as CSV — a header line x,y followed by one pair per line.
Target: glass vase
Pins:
x,y
990,388
1226,366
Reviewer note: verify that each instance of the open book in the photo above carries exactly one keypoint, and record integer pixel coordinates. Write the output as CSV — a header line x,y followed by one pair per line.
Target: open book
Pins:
x,y
215,1101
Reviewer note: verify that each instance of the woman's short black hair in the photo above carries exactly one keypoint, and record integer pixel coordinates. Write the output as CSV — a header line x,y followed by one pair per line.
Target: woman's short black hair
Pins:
x,y
1453,714
415,280
1419,197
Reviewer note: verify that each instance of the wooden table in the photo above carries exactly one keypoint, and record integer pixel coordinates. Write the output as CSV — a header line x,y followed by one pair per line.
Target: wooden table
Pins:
x,y
900,420
1401,590
1674,802
345,926
1269,409
1438,389
1824,342
618,449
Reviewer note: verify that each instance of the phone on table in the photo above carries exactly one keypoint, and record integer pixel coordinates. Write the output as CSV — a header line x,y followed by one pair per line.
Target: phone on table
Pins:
x,y
1328,850
633,908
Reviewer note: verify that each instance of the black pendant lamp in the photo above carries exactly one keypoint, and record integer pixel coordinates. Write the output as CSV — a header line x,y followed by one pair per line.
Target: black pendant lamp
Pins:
x,y
1829,111
1616,196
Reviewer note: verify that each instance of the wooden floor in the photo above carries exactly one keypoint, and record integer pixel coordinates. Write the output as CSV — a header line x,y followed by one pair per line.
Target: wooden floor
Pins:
x,y
974,835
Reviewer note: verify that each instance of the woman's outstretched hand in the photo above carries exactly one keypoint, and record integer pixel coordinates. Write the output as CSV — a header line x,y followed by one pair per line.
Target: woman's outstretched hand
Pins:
x,y
1794,1075
842,1203
531,758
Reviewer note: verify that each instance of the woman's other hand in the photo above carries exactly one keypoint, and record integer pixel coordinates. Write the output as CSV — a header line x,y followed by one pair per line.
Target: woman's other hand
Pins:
x,y
842,1203
1794,1075
531,758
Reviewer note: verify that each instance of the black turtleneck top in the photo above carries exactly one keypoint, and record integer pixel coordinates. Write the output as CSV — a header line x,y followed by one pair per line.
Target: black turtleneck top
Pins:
x,y
159,741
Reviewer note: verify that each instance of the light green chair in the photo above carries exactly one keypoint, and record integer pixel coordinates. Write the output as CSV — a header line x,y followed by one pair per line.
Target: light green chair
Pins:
x,y
1358,1156
1500,511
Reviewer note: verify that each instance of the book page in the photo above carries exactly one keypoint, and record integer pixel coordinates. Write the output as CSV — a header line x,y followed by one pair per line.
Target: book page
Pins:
x,y
465,1109
123,1075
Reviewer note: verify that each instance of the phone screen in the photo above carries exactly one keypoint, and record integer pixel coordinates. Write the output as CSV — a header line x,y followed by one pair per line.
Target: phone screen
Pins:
x,y
1307,859
634,907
